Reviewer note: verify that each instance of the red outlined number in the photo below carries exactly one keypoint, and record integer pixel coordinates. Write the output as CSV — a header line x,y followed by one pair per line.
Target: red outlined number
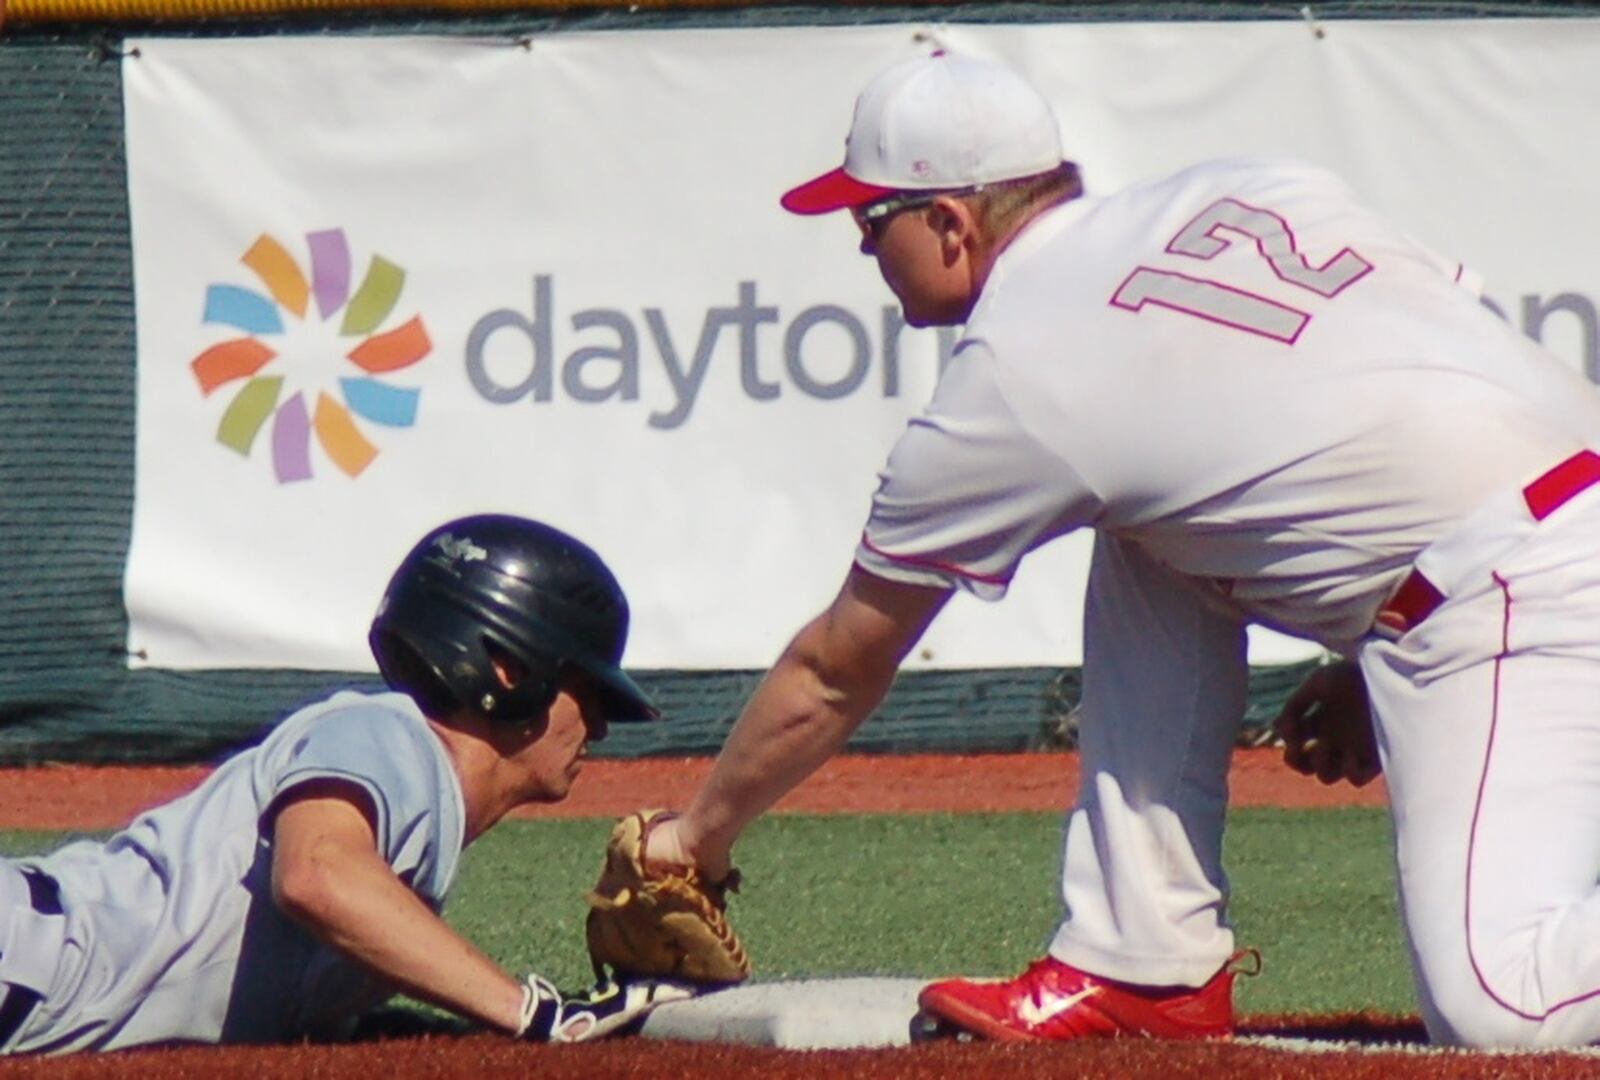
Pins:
x,y
1204,298
1211,301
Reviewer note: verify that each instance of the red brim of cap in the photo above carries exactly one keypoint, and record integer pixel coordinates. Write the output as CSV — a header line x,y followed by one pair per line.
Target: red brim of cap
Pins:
x,y
836,190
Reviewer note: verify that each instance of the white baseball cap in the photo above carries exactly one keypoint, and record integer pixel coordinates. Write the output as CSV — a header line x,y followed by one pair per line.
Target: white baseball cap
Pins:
x,y
939,121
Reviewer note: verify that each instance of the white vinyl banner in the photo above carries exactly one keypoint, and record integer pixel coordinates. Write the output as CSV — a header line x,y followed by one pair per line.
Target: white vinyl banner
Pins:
x,y
382,282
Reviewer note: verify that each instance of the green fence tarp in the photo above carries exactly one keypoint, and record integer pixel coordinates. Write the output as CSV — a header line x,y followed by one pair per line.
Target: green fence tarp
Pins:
x,y
67,423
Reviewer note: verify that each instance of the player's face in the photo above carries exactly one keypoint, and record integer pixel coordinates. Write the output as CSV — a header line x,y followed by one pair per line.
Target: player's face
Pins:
x,y
923,259
553,760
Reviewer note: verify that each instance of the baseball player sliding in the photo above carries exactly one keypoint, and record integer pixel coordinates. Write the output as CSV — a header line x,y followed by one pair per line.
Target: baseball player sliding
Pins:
x,y
1271,406
301,883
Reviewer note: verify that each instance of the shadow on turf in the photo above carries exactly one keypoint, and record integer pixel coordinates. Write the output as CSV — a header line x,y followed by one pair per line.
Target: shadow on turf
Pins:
x,y
400,1022
1358,1027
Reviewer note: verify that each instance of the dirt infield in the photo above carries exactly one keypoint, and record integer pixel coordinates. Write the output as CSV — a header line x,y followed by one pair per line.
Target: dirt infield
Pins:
x,y
78,797
73,797
477,1056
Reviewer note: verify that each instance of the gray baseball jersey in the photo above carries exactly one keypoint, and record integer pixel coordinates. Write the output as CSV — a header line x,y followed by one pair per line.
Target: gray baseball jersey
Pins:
x,y
169,929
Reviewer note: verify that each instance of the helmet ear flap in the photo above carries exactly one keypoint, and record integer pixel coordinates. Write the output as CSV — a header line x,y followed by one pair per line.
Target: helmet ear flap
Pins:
x,y
528,683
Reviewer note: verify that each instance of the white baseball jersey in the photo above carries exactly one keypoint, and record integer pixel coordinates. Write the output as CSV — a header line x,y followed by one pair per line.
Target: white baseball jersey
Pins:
x,y
1271,405
170,931
1242,371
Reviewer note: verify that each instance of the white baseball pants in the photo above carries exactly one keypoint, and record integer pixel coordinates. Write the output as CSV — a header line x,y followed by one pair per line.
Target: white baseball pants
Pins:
x,y
1488,716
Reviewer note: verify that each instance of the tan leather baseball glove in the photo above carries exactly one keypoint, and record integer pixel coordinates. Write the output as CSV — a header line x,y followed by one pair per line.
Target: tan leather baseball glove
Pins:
x,y
663,921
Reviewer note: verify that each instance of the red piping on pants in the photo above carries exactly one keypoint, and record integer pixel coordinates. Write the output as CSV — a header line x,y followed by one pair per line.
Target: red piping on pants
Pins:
x,y
1477,810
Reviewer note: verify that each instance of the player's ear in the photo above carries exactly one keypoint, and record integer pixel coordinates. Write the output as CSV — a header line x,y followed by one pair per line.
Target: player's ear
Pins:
x,y
955,225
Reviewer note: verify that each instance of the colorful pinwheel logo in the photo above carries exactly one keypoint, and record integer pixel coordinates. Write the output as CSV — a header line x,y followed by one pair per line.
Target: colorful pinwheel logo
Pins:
x,y
272,396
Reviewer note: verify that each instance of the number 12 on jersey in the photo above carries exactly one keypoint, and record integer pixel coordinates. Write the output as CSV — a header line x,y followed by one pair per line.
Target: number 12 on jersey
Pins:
x,y
1205,298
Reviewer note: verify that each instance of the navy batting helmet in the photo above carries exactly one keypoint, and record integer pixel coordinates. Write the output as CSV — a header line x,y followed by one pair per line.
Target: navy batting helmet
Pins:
x,y
493,587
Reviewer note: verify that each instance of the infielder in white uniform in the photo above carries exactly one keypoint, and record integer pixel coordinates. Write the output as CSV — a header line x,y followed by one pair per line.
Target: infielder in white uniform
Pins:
x,y
1272,406
301,883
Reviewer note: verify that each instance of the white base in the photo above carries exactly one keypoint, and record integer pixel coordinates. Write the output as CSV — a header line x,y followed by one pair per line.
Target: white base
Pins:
x,y
809,1014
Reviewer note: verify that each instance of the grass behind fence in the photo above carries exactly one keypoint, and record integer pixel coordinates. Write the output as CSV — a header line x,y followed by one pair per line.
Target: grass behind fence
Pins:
x,y
938,894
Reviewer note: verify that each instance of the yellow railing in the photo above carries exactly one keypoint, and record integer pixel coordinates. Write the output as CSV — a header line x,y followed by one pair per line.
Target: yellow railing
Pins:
x,y
17,12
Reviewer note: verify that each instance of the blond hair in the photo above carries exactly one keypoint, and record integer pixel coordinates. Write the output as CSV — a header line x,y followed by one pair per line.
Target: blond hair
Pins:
x,y
1003,208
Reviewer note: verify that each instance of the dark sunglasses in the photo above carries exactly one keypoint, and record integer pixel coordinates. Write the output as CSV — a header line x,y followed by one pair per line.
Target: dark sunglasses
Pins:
x,y
874,216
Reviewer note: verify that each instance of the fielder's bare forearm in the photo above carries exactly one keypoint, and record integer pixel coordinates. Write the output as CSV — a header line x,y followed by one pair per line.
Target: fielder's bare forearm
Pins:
x,y
830,679
795,721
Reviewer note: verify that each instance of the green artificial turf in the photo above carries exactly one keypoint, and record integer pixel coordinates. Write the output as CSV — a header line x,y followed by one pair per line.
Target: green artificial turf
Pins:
x,y
940,894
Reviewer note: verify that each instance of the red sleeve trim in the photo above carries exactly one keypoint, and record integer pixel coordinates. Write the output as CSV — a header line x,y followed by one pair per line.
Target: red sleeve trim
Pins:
x,y
934,564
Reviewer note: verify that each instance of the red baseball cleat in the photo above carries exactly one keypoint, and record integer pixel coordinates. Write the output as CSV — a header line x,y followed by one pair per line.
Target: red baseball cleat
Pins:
x,y
1055,1001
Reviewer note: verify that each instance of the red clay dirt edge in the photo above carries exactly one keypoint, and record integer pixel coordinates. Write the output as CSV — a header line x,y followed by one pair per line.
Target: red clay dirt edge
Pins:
x,y
480,1055
82,798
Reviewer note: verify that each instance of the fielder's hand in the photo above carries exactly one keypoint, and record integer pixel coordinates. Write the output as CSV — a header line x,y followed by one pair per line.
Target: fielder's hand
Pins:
x,y
608,1008
658,919
1326,726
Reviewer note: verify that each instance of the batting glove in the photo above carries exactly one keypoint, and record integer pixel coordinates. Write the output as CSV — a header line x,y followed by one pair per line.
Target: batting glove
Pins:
x,y
607,1008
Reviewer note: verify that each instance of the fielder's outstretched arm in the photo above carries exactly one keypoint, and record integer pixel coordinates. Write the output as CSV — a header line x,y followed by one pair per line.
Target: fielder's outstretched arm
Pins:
x,y
829,679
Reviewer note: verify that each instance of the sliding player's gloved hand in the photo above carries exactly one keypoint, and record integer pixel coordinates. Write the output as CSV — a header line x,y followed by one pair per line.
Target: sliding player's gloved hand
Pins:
x,y
607,1008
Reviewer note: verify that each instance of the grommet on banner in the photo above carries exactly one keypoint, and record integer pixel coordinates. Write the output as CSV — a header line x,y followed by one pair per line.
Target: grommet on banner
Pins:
x,y
103,49
1311,21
